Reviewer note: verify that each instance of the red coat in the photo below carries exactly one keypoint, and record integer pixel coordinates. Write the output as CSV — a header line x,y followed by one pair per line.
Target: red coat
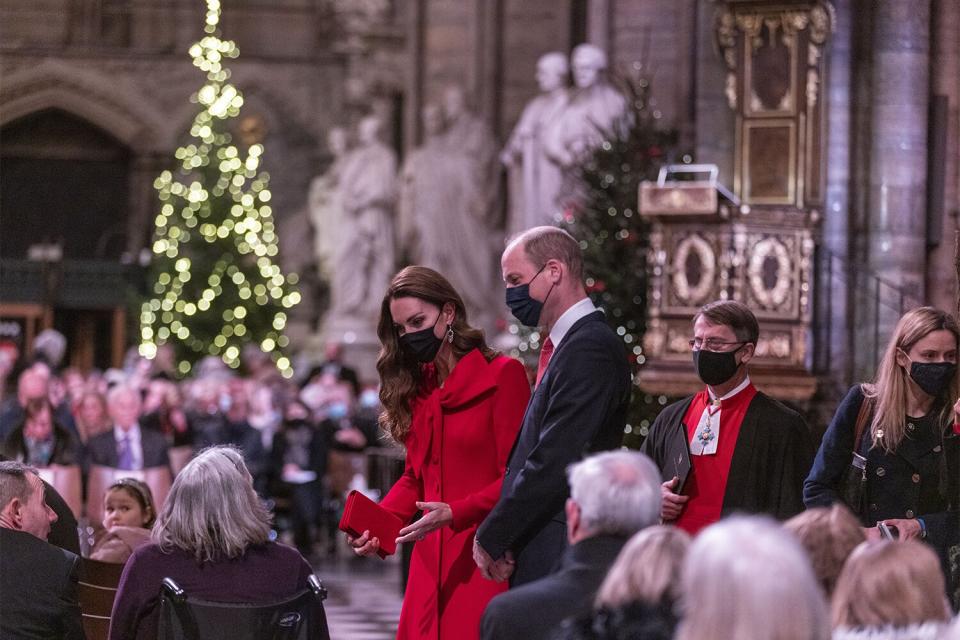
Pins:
x,y
457,450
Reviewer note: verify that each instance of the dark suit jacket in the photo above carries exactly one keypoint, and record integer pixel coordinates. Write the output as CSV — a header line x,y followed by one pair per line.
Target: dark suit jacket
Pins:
x,y
772,456
102,449
579,407
39,586
536,609
66,449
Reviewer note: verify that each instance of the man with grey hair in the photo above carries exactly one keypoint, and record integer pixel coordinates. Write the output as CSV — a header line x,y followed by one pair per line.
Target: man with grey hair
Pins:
x,y
38,581
126,445
612,496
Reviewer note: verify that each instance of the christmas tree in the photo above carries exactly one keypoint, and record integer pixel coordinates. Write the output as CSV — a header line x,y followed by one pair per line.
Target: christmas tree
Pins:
x,y
215,285
602,213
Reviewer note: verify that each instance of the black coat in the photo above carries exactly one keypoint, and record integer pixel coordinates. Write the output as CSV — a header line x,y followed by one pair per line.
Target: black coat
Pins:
x,y
39,586
579,407
536,609
66,449
102,449
920,479
772,456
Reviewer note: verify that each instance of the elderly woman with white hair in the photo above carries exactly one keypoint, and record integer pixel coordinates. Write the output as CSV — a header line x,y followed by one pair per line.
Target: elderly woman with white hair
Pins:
x,y
747,577
213,538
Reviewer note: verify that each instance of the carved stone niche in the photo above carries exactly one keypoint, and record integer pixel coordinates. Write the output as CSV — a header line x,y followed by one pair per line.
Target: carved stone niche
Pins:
x,y
774,55
760,256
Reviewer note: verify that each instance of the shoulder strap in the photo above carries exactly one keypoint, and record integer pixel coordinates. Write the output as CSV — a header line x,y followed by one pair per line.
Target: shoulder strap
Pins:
x,y
862,417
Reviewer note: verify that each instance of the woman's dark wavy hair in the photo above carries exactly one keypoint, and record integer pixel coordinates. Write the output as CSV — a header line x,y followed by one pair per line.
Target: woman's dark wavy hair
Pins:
x,y
400,374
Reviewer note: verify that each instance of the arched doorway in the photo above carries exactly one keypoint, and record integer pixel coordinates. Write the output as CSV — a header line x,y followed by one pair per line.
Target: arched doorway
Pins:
x,y
65,187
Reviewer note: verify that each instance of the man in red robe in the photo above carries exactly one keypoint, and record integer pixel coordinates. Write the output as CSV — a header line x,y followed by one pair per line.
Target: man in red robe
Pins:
x,y
728,448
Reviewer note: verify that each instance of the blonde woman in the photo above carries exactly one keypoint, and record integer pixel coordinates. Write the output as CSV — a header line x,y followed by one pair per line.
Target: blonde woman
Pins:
x,y
892,590
909,438
745,577
213,538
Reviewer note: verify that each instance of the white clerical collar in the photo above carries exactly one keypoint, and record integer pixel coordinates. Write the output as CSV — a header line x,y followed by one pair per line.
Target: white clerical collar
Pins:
x,y
740,387
568,318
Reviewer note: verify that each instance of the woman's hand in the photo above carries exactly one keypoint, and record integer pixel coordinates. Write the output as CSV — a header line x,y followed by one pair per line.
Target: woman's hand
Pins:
x,y
436,515
907,528
364,545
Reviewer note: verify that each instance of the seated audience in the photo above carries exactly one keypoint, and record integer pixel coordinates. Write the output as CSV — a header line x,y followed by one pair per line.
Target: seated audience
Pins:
x,y
40,441
745,577
890,590
637,597
38,581
33,383
128,515
829,535
213,538
91,415
126,445
163,412
612,496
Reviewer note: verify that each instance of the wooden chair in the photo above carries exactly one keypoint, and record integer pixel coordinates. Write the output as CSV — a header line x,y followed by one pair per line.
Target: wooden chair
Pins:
x,y
99,478
96,592
68,483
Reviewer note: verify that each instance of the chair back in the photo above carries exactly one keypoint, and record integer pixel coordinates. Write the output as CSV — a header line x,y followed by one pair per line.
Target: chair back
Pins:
x,y
67,480
99,478
96,592
300,617
179,457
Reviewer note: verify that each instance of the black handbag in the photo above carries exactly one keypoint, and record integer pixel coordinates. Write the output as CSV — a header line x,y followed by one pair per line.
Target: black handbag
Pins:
x,y
853,485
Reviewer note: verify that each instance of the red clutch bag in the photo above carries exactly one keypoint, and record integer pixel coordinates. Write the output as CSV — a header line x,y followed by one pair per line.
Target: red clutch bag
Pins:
x,y
363,514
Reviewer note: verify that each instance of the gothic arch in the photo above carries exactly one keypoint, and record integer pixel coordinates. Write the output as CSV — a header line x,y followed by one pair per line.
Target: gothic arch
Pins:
x,y
89,95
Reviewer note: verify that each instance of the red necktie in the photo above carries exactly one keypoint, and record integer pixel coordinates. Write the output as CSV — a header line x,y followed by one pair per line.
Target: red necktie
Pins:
x,y
545,352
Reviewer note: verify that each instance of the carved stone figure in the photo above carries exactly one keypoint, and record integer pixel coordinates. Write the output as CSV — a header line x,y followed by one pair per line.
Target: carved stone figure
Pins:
x,y
443,220
535,179
365,257
594,106
325,202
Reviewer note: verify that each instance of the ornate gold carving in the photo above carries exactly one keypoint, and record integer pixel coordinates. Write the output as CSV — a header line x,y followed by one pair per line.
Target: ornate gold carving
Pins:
x,y
777,296
775,346
693,247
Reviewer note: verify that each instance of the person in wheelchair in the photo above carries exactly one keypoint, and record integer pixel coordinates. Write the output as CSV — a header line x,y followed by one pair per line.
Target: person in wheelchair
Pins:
x,y
212,538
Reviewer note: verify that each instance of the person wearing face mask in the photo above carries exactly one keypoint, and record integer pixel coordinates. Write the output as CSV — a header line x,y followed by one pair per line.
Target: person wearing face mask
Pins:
x,y
579,405
456,405
910,438
745,451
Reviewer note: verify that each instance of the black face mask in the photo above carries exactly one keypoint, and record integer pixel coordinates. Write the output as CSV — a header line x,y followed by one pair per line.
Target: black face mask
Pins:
x,y
522,306
424,344
715,367
932,377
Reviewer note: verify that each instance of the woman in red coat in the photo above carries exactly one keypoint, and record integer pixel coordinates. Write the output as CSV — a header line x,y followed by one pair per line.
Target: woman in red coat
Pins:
x,y
456,405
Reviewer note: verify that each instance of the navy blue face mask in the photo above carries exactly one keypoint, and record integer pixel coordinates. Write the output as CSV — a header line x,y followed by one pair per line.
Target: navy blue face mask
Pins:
x,y
523,307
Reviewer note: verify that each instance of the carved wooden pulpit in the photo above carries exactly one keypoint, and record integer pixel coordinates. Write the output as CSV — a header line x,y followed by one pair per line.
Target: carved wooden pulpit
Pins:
x,y
755,244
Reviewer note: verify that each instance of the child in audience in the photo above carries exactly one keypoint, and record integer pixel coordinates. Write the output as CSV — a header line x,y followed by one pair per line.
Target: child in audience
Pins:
x,y
128,515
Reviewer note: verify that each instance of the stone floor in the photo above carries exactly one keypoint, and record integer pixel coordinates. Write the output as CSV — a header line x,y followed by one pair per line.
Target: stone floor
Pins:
x,y
364,596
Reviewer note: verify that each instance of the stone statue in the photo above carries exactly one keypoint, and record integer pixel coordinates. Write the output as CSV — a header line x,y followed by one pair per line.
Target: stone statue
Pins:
x,y
535,179
593,109
365,258
326,203
443,222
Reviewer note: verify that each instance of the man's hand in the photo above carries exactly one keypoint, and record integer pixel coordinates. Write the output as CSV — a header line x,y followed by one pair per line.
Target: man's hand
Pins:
x,y
672,503
496,570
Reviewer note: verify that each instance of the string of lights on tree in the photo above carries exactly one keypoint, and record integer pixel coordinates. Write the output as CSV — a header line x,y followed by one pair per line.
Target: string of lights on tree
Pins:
x,y
215,284
602,214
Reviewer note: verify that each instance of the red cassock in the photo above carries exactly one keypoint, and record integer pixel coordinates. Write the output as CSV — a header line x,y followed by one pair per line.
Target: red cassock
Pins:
x,y
457,450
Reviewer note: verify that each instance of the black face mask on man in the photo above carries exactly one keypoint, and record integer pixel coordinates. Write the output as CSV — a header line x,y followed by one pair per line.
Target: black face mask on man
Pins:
x,y
525,308
424,344
715,367
932,377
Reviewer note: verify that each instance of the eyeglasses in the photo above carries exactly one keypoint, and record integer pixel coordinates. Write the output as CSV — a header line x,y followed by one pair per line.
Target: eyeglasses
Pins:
x,y
711,344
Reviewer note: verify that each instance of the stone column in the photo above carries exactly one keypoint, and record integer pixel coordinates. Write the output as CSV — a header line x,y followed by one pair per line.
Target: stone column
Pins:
x,y
716,123
945,66
832,284
898,151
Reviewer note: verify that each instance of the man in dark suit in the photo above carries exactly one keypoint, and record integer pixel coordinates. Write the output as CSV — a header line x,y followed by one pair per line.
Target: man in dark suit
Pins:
x,y
127,446
63,530
612,496
38,581
729,447
578,407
